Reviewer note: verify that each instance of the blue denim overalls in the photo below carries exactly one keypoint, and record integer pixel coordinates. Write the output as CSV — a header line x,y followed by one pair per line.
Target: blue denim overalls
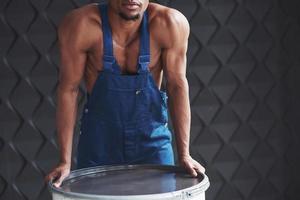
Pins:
x,y
125,119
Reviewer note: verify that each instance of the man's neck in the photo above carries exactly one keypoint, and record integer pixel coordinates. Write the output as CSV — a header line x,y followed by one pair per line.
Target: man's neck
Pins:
x,y
123,31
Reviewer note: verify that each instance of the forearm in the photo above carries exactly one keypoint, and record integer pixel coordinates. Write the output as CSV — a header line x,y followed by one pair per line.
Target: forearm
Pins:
x,y
65,120
180,114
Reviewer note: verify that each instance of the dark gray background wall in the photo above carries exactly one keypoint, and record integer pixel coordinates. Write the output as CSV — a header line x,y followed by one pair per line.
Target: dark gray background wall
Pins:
x,y
243,71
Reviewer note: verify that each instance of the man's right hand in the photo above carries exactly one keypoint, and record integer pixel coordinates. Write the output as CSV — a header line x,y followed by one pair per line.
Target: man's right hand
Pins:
x,y
58,174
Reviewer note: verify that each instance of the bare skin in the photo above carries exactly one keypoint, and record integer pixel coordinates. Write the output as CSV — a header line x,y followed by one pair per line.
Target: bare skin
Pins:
x,y
81,50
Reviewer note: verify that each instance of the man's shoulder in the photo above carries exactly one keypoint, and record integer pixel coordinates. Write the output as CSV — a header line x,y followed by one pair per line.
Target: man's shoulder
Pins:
x,y
165,16
77,19
72,29
167,24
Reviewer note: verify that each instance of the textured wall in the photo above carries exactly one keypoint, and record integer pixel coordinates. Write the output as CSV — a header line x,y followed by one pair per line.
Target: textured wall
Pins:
x,y
243,69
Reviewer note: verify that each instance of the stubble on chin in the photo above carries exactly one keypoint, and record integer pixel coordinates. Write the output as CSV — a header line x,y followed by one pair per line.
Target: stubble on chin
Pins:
x,y
129,18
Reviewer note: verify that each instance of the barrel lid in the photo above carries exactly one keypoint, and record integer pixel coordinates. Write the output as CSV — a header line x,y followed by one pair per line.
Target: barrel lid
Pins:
x,y
132,182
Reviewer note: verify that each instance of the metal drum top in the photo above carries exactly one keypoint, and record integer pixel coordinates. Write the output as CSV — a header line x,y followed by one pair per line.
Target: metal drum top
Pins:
x,y
131,180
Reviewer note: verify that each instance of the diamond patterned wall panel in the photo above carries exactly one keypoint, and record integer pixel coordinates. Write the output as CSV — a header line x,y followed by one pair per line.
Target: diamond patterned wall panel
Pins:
x,y
243,69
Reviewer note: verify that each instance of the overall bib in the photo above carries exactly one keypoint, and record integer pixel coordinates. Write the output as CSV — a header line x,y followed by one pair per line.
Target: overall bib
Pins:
x,y
125,119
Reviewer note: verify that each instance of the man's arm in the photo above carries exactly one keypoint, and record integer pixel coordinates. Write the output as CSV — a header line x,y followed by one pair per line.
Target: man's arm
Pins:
x,y
174,63
73,44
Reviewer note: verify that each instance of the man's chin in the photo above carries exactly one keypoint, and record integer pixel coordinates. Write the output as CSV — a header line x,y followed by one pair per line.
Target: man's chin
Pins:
x,y
129,17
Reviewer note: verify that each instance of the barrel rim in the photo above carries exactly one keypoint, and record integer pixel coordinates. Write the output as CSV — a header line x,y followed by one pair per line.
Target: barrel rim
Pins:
x,y
181,194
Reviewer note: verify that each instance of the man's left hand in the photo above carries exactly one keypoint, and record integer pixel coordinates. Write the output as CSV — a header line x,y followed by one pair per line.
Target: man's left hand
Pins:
x,y
191,165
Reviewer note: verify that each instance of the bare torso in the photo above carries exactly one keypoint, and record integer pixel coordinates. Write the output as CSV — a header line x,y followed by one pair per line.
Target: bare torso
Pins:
x,y
126,55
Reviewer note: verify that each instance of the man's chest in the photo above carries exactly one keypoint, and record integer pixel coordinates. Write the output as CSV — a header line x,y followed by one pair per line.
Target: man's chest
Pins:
x,y
126,56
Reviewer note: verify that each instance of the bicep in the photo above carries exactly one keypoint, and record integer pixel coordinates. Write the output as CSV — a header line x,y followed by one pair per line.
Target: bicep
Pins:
x,y
71,67
174,64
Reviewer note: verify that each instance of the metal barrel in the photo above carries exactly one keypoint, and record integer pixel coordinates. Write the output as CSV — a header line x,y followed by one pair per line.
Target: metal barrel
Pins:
x,y
131,182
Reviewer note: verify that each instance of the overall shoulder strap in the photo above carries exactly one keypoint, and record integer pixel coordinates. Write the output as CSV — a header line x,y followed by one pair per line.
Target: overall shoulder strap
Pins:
x,y
108,57
144,55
